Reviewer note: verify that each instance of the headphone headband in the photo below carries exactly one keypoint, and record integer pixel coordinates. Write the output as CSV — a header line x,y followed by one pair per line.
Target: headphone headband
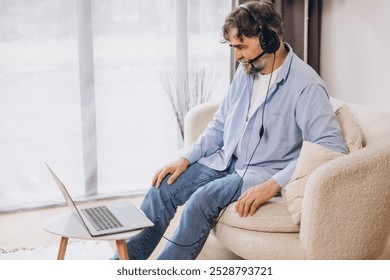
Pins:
x,y
268,38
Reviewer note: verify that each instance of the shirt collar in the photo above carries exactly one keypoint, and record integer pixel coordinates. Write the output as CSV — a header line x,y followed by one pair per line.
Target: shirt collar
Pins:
x,y
286,66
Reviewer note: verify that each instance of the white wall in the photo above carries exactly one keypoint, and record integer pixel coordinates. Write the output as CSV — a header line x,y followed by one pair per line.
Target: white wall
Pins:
x,y
354,51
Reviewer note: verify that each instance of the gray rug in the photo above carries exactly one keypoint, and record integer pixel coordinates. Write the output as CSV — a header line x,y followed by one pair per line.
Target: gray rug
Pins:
x,y
76,250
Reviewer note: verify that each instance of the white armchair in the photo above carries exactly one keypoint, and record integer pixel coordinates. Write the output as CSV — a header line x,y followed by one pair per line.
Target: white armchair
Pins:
x,y
345,208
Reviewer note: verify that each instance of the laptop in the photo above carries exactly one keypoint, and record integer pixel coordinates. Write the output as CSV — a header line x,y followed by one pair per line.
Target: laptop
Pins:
x,y
105,218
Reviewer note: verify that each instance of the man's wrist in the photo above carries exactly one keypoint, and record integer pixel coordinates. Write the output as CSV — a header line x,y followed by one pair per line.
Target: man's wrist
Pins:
x,y
275,186
186,160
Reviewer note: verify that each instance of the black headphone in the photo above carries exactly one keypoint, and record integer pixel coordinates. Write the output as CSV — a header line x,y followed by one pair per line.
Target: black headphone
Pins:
x,y
268,38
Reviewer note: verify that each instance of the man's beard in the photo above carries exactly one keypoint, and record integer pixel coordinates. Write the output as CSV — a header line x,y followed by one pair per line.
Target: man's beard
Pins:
x,y
254,67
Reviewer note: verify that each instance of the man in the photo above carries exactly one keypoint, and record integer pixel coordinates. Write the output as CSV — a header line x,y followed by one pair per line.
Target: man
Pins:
x,y
249,150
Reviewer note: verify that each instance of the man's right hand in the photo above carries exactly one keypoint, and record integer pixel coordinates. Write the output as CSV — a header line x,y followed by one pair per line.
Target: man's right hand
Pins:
x,y
175,168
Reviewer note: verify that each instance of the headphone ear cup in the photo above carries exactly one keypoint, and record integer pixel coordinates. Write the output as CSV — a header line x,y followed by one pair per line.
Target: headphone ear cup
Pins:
x,y
262,41
269,40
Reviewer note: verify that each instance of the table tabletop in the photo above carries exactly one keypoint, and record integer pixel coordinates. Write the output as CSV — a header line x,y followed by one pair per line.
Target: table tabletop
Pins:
x,y
69,225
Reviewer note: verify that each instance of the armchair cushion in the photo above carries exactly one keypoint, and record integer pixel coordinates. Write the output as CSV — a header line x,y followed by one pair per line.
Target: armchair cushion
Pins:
x,y
271,217
311,156
349,129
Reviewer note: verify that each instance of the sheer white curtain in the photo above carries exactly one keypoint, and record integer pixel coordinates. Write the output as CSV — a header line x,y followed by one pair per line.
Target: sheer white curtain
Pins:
x,y
39,101
111,142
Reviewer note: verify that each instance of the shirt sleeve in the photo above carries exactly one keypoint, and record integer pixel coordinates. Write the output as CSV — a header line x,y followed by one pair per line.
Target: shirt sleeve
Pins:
x,y
284,176
318,123
317,120
211,140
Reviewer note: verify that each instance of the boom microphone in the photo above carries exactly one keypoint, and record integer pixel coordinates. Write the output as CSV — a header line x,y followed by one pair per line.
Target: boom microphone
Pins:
x,y
250,61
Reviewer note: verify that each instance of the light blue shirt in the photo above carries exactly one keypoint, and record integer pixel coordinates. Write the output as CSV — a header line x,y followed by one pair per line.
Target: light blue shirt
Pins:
x,y
297,109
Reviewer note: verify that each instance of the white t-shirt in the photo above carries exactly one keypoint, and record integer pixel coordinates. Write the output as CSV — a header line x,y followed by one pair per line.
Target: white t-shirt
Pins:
x,y
259,91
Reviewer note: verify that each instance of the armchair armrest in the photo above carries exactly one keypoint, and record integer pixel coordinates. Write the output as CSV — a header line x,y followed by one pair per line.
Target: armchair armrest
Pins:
x,y
346,206
196,121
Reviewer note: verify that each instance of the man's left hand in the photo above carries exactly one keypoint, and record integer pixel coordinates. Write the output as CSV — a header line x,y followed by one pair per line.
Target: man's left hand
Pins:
x,y
253,198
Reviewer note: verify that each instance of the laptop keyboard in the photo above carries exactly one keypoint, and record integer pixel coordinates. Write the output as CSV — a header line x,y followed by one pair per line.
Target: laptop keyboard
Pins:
x,y
101,218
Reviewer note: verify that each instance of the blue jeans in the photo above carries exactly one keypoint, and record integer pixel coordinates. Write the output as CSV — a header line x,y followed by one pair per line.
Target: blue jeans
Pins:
x,y
205,191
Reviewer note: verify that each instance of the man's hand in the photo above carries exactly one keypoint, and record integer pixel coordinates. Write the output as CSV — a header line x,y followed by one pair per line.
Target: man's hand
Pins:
x,y
253,198
175,168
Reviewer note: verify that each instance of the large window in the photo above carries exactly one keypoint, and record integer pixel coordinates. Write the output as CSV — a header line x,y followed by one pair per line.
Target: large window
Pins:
x,y
96,110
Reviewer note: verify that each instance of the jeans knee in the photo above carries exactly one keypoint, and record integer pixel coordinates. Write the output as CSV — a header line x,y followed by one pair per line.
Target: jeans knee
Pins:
x,y
163,192
161,198
199,204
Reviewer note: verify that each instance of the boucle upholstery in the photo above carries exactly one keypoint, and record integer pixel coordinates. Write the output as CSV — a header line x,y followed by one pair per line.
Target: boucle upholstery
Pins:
x,y
271,217
310,158
345,208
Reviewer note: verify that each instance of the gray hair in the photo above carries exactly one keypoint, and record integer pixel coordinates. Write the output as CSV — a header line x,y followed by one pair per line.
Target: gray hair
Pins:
x,y
246,25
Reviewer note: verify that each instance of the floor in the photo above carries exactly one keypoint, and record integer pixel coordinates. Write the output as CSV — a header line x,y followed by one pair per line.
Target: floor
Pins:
x,y
27,233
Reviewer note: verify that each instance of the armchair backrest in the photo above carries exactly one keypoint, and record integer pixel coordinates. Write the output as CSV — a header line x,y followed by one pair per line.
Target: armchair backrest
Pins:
x,y
371,122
